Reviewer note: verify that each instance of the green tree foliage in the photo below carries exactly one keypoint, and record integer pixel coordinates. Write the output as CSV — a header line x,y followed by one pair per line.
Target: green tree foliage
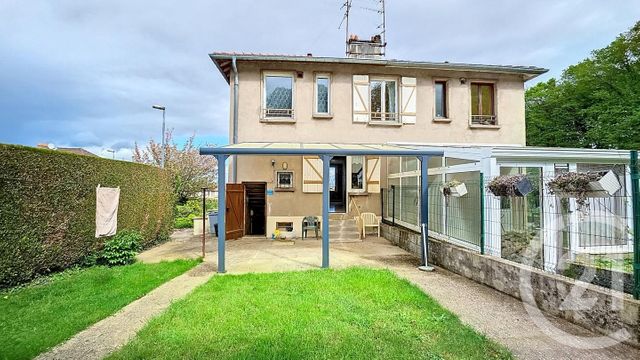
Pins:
x,y
191,171
595,103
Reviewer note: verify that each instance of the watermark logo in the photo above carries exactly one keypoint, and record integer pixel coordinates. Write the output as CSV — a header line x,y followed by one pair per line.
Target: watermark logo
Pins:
x,y
541,291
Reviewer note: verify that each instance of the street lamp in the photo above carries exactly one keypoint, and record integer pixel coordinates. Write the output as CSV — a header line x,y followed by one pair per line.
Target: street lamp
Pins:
x,y
158,107
113,153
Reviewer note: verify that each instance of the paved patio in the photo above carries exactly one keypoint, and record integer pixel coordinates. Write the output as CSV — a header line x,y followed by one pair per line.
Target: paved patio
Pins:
x,y
495,314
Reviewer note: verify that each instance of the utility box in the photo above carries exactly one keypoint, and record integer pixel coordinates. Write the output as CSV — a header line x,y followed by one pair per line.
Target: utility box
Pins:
x,y
213,223
197,226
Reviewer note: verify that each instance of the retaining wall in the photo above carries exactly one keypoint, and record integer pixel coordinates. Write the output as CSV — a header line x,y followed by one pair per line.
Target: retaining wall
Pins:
x,y
611,310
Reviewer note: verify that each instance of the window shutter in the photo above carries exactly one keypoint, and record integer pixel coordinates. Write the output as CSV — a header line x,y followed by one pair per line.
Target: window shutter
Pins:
x,y
311,174
373,174
408,98
361,98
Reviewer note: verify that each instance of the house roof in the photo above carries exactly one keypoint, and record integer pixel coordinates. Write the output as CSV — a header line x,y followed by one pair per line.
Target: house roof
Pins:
x,y
223,62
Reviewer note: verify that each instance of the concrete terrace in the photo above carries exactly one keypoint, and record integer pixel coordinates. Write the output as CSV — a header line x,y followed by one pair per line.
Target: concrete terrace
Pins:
x,y
495,314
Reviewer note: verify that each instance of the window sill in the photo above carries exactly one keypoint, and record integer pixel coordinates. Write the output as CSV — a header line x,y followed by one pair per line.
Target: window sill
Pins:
x,y
488,127
441,120
358,193
322,116
385,123
278,120
284,189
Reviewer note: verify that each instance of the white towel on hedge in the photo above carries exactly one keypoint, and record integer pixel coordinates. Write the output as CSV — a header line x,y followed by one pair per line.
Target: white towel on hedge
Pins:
x,y
107,200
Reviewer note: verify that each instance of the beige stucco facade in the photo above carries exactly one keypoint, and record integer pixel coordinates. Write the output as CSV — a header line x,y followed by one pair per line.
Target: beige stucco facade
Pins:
x,y
509,91
340,126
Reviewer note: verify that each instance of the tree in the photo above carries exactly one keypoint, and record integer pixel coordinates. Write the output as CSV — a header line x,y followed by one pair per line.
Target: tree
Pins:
x,y
191,170
595,104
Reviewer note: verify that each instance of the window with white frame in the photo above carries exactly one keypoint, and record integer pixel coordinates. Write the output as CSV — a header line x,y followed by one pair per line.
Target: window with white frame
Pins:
x,y
384,99
278,95
356,171
322,94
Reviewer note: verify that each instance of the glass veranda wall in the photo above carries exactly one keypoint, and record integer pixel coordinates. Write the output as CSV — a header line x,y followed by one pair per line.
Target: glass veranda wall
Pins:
x,y
542,229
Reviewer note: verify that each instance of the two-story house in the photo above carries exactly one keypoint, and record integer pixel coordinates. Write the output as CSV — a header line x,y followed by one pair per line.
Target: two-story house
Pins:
x,y
355,100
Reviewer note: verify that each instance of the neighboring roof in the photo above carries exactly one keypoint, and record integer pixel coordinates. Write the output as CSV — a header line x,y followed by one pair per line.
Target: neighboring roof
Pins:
x,y
73,150
223,62
77,151
319,149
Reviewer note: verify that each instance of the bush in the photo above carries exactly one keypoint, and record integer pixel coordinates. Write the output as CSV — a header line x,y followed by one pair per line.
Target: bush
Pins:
x,y
122,248
183,223
47,212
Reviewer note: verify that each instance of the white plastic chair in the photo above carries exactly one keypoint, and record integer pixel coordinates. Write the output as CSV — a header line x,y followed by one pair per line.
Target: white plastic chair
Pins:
x,y
369,220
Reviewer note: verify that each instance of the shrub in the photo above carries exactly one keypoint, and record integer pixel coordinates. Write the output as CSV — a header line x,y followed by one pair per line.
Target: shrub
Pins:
x,y
183,223
122,248
47,212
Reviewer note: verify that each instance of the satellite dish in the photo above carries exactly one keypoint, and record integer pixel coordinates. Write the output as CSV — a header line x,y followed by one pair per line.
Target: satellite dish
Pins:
x,y
51,146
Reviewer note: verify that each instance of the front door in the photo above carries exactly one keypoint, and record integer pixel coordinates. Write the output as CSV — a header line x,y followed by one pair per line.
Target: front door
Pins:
x,y
338,184
234,219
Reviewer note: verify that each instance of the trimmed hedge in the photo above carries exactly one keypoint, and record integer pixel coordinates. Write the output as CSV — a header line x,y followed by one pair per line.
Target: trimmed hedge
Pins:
x,y
48,204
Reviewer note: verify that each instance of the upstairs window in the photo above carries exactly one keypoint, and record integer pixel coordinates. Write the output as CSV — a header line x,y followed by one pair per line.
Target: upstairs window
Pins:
x,y
323,95
483,104
384,100
278,96
441,99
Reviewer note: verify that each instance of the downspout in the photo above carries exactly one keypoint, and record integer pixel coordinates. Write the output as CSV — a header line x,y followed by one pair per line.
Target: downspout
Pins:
x,y
235,115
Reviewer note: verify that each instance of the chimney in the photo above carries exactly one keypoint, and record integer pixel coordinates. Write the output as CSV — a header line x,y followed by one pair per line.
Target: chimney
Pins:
x,y
365,49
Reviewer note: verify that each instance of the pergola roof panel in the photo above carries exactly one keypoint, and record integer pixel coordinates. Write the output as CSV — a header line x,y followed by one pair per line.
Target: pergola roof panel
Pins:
x,y
254,148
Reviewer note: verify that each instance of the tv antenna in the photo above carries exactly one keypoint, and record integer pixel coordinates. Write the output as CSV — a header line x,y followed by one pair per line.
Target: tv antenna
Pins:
x,y
382,27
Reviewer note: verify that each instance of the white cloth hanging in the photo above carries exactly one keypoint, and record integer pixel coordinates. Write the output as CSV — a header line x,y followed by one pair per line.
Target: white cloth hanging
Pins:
x,y
107,200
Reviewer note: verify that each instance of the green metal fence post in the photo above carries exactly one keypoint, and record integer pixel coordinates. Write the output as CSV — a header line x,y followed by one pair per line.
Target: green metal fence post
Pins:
x,y
481,213
635,201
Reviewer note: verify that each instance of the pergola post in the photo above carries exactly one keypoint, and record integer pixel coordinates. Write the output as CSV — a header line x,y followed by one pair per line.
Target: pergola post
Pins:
x,y
424,206
326,161
222,210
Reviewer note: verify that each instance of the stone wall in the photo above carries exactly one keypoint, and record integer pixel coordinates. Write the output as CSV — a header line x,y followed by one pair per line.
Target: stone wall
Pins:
x,y
611,311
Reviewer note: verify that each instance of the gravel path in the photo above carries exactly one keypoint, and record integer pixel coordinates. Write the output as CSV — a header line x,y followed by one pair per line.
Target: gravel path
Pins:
x,y
107,335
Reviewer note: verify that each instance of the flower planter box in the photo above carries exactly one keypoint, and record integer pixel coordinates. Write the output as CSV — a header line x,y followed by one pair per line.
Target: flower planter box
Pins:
x,y
510,185
605,186
456,190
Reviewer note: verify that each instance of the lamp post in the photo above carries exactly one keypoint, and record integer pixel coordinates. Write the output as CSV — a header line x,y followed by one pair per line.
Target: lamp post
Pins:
x,y
158,107
113,153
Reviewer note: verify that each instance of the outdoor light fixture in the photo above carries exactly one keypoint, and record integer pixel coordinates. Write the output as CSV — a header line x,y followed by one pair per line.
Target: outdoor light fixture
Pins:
x,y
273,162
463,80
158,107
285,166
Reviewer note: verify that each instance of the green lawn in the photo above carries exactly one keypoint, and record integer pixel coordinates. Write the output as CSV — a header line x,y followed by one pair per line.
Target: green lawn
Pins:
x,y
320,314
47,312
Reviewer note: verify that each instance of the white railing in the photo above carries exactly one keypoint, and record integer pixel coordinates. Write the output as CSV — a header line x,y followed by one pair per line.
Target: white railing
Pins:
x,y
388,117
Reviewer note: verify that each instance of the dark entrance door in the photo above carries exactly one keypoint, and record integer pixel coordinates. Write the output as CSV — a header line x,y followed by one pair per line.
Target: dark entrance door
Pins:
x,y
255,215
234,219
338,184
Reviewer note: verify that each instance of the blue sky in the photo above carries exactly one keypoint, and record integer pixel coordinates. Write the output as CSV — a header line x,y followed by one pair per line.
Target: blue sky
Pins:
x,y
85,73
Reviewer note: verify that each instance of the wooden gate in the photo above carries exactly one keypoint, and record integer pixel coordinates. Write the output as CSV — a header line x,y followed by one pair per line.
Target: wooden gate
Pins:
x,y
235,211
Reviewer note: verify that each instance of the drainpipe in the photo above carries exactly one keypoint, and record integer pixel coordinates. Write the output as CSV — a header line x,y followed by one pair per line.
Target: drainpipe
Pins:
x,y
236,85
